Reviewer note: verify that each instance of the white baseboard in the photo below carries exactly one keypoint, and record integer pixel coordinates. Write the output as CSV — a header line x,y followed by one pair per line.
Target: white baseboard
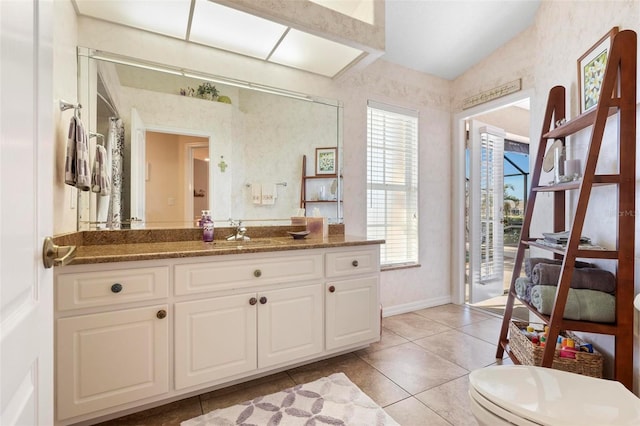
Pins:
x,y
388,311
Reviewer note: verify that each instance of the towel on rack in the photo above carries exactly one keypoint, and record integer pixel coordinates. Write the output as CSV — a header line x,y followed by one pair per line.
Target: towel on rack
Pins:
x,y
256,193
100,181
83,174
583,278
582,305
269,194
70,158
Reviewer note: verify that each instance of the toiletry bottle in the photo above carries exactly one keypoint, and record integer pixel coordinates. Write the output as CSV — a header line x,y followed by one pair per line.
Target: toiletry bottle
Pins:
x,y
203,215
207,228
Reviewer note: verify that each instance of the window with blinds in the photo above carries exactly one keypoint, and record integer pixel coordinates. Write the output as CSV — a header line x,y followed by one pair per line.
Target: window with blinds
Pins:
x,y
392,182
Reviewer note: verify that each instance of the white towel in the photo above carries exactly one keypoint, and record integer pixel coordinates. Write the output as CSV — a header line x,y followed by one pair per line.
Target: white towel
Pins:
x,y
100,181
256,193
269,194
70,159
83,174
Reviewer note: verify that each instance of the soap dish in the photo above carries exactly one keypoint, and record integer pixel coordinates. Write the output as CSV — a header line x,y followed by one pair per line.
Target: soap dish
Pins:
x,y
298,235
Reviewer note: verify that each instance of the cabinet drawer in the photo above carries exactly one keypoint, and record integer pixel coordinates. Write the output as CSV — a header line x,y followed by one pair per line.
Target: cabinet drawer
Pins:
x,y
233,274
90,289
352,262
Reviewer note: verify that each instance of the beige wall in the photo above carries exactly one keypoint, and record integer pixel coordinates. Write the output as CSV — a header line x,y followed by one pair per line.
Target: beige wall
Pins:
x,y
65,40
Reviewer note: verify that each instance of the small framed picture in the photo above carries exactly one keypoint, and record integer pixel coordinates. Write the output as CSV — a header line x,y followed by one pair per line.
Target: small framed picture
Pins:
x,y
591,67
326,161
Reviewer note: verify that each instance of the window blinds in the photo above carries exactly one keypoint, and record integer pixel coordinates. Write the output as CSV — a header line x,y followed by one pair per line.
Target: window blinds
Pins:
x,y
392,182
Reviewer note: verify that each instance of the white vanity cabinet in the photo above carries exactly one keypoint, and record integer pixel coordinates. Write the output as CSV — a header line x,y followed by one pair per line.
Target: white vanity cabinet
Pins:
x,y
107,358
137,334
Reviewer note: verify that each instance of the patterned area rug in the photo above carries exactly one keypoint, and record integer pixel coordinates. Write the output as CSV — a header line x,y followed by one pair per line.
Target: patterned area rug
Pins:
x,y
332,400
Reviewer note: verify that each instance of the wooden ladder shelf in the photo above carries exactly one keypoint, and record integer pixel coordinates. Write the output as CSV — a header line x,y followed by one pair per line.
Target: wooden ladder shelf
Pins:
x,y
617,96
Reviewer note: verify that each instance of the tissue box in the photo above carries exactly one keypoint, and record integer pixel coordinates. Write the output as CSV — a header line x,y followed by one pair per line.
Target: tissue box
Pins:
x,y
298,220
318,227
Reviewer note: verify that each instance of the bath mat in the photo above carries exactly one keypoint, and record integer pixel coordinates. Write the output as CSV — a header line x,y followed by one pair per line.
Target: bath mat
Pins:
x,y
332,400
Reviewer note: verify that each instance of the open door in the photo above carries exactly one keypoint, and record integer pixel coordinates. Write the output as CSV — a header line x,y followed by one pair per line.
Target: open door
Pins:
x,y
486,190
26,212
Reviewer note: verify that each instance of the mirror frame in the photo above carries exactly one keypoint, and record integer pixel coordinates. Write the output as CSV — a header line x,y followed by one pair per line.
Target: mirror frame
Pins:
x,y
86,207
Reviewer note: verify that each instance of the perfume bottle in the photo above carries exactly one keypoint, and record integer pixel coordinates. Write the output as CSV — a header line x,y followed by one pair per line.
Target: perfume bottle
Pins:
x,y
207,226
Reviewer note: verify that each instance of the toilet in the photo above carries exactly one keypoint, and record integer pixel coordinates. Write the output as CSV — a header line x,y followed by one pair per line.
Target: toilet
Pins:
x,y
534,396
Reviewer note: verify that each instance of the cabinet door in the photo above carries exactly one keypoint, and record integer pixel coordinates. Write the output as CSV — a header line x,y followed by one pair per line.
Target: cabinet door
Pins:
x,y
353,312
214,338
111,358
290,324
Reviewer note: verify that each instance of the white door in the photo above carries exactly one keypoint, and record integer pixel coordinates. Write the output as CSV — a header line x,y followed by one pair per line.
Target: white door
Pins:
x,y
215,338
486,193
111,358
353,314
289,324
26,218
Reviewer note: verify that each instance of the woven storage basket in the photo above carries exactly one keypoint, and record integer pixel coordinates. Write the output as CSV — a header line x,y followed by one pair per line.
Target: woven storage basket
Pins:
x,y
588,364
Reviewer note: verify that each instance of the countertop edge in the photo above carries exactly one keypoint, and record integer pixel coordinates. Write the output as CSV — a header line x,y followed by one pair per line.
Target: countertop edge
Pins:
x,y
284,244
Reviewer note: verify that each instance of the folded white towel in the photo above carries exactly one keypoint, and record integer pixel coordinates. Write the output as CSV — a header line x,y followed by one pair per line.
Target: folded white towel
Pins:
x,y
83,174
70,159
256,193
269,194
100,181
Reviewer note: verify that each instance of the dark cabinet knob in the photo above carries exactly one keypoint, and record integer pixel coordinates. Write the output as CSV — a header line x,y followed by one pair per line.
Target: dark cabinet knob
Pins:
x,y
253,301
263,300
332,289
116,288
257,273
161,314
355,263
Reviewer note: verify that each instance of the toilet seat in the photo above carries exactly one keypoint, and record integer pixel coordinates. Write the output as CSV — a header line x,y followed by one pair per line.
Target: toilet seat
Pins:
x,y
488,413
543,396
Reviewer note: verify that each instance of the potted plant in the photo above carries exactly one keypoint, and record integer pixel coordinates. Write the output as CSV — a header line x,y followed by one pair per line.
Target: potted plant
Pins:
x,y
208,91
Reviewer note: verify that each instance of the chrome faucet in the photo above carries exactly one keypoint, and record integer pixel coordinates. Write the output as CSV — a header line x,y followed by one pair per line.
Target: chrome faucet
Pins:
x,y
240,232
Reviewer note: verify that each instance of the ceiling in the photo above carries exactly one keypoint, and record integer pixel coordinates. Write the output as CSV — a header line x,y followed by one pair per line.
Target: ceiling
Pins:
x,y
439,37
447,37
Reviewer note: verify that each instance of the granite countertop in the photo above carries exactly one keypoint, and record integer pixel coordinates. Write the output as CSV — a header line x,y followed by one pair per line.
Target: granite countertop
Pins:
x,y
131,245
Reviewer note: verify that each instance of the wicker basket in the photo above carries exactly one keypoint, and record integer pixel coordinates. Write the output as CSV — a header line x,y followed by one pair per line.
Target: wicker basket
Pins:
x,y
588,364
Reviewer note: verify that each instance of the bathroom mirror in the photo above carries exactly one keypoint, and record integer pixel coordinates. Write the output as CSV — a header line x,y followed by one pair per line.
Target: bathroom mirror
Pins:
x,y
179,142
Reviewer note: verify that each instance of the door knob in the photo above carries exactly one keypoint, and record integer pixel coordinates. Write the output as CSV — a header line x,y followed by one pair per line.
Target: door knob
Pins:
x,y
253,301
332,289
355,263
161,314
257,273
263,300
116,288
55,255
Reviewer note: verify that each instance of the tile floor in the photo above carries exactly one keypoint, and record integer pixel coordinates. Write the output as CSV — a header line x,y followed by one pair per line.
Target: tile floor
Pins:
x,y
417,372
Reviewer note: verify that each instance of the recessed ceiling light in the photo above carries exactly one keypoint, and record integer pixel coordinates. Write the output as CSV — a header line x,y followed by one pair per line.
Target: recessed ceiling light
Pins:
x,y
312,53
168,17
229,29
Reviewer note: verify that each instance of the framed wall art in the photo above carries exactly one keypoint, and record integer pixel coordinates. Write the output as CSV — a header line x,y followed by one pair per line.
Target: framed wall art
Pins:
x,y
326,161
591,67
